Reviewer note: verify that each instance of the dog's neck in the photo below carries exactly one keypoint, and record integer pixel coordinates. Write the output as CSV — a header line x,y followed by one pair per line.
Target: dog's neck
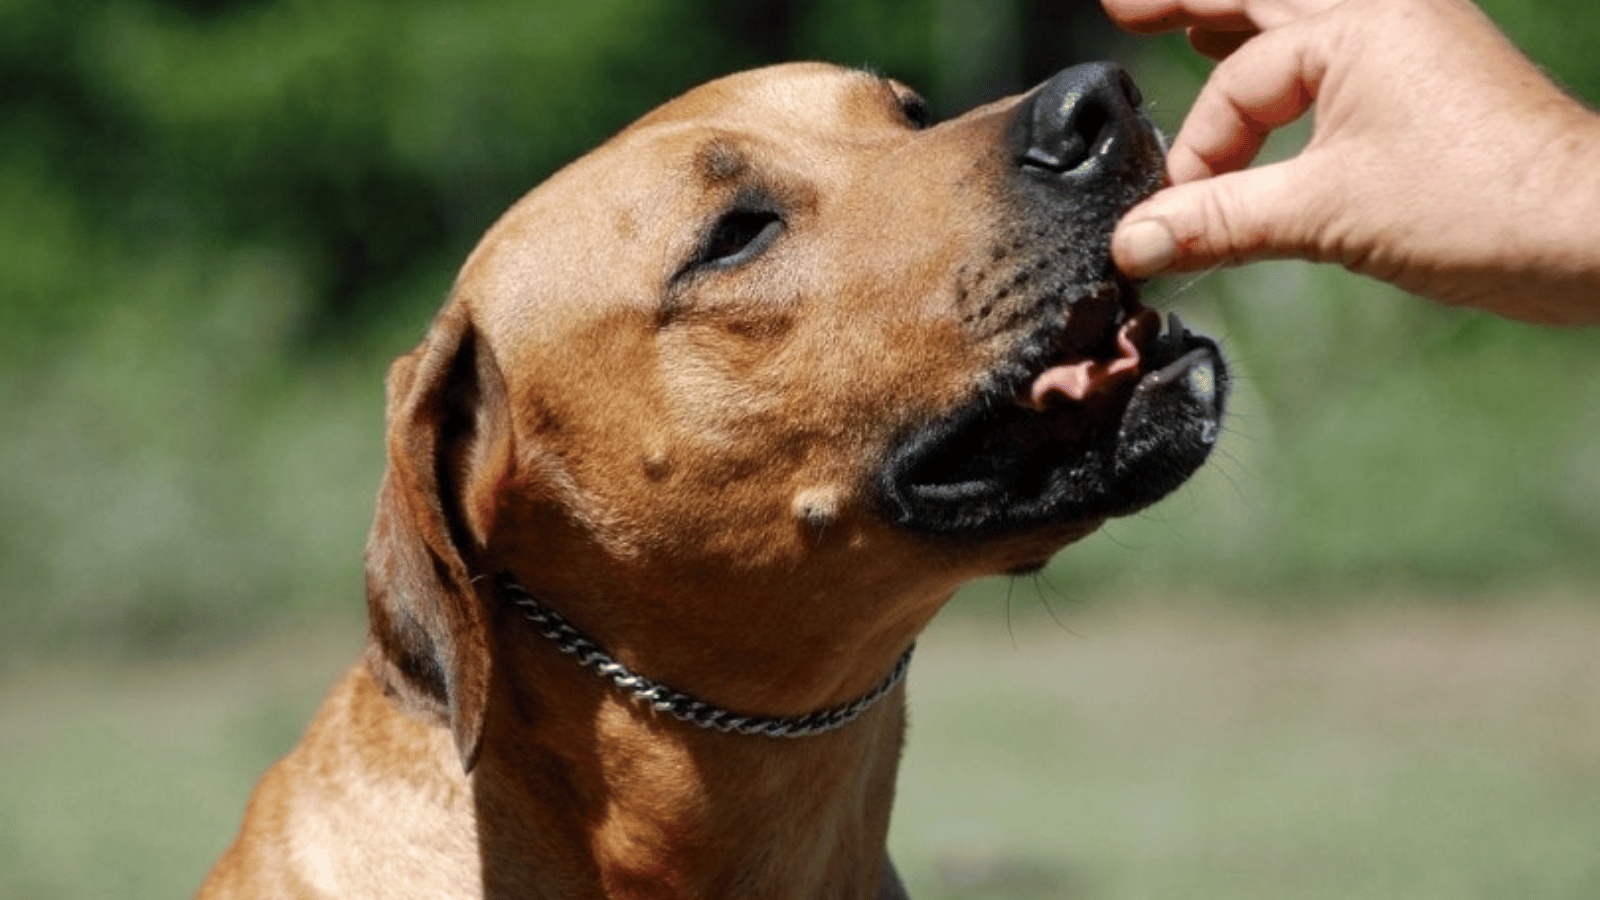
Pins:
x,y
683,706
592,794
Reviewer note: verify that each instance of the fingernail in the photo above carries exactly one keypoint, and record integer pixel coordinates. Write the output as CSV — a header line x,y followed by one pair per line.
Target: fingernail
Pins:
x,y
1145,248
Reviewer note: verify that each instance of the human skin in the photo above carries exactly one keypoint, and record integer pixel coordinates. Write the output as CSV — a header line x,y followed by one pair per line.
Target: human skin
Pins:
x,y
1441,160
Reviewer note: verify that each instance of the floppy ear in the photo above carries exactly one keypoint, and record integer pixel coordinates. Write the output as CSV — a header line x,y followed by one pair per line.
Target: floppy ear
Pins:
x,y
448,430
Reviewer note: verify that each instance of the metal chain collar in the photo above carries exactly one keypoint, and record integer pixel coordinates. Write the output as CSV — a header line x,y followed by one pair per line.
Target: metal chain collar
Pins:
x,y
676,703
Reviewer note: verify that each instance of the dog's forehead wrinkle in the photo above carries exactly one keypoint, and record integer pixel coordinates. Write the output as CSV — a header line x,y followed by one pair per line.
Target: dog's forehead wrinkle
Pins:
x,y
720,160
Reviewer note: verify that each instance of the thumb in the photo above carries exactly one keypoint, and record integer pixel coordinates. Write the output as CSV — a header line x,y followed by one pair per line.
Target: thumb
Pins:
x,y
1230,219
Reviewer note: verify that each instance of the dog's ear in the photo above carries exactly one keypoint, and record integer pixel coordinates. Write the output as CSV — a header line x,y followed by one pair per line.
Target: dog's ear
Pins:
x,y
448,430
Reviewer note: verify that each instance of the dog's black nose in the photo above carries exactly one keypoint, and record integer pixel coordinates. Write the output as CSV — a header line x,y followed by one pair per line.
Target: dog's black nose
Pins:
x,y
1084,124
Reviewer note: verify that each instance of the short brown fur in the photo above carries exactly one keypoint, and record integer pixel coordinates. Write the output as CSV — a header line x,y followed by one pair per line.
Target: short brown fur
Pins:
x,y
685,487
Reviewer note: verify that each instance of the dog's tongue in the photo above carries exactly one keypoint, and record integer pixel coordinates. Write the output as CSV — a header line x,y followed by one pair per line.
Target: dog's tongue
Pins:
x,y
1081,378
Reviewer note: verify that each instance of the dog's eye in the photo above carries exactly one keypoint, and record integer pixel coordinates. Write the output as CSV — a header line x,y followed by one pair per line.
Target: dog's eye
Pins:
x,y
738,236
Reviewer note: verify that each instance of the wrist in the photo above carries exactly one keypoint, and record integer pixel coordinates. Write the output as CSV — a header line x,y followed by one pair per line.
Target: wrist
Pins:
x,y
1566,226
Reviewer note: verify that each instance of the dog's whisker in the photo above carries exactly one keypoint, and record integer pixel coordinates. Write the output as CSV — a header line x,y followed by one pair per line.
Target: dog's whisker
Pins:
x,y
1167,298
1222,470
1011,585
1039,579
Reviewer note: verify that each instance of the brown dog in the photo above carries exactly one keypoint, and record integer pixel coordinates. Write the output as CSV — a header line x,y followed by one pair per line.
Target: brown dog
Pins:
x,y
740,397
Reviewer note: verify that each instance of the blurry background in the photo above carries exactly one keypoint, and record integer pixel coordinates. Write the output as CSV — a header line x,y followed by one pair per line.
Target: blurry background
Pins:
x,y
1355,657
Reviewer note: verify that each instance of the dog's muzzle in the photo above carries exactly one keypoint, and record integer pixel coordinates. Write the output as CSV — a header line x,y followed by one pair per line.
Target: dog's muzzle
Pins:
x,y
1098,411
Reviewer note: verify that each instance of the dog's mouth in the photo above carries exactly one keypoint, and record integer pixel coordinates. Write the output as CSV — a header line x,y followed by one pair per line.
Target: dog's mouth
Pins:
x,y
1100,414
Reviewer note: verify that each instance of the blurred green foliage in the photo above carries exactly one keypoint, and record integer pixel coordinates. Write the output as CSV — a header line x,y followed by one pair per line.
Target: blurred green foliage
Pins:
x,y
220,219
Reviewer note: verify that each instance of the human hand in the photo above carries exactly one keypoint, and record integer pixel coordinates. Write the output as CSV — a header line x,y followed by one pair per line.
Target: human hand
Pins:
x,y
1440,160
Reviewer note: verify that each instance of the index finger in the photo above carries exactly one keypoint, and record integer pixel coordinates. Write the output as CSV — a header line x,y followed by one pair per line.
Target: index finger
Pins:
x,y
1153,16
1156,16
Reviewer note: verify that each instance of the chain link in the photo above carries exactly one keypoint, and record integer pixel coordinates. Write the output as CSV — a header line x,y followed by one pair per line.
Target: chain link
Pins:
x,y
676,703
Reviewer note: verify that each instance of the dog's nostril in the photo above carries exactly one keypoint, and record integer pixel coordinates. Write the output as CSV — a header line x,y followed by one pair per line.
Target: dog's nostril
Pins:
x,y
1070,133
1086,128
1078,116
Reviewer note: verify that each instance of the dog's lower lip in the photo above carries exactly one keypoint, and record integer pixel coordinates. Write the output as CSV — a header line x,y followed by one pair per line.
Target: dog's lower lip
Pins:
x,y
994,457
1192,365
957,491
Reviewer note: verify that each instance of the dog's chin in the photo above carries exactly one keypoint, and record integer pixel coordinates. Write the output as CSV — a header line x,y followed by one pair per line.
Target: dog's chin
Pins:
x,y
1068,436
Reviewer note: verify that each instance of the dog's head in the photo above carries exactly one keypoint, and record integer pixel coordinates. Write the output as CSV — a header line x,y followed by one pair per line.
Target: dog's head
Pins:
x,y
784,359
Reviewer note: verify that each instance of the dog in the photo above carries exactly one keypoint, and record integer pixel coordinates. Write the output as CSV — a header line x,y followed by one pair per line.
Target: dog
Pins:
x,y
712,423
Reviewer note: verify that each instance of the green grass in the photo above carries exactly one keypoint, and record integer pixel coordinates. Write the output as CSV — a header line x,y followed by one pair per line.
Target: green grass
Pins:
x,y
1415,752
129,783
